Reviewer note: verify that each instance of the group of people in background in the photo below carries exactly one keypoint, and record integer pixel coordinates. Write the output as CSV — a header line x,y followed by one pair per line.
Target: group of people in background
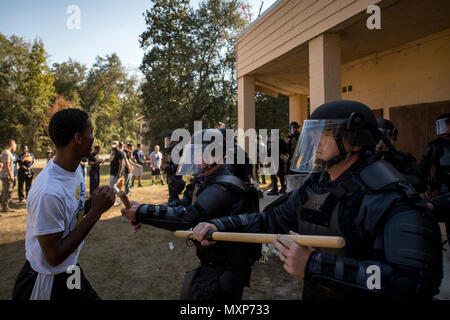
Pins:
x,y
286,151
125,162
15,170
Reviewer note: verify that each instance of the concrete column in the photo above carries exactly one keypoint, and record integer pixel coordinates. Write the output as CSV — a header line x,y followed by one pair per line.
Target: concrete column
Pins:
x,y
298,108
246,105
324,69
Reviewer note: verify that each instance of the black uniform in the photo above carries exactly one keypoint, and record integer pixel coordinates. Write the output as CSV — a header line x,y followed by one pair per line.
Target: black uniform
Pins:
x,y
240,170
437,154
174,182
283,149
225,267
292,141
383,221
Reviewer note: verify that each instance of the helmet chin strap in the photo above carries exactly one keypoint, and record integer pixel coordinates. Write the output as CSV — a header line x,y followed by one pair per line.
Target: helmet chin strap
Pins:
x,y
325,164
210,169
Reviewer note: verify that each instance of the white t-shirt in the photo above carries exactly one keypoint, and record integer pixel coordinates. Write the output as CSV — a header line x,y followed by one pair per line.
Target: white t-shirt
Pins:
x,y
55,203
156,158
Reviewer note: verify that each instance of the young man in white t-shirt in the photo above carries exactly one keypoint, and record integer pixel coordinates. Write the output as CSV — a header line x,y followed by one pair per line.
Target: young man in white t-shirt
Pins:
x,y
59,217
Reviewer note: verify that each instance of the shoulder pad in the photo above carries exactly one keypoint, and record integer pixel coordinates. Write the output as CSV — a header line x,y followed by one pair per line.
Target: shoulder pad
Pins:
x,y
381,174
213,198
232,182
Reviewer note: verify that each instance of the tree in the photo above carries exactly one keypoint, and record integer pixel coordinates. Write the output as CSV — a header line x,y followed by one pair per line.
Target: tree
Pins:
x,y
272,113
26,90
69,77
106,75
189,64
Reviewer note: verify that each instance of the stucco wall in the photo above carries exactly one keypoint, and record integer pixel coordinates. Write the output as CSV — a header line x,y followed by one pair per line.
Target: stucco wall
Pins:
x,y
417,72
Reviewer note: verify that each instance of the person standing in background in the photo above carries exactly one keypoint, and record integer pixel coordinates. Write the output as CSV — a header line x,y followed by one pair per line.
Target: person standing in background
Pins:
x,y
138,169
15,169
26,164
84,163
7,174
291,142
132,163
94,162
155,162
116,164
49,152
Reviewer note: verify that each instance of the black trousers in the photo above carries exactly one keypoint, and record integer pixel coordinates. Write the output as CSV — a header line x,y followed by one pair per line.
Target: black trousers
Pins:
x,y
23,287
24,179
273,178
215,284
94,181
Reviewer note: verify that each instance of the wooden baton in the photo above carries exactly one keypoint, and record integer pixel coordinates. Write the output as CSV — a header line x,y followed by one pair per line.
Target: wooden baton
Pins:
x,y
307,241
123,196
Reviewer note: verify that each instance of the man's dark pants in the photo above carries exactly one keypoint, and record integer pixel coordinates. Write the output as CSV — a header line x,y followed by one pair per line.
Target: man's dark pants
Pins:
x,y
94,181
26,179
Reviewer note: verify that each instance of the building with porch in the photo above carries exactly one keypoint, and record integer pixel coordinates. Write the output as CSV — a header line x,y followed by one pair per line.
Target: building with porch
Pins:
x,y
316,51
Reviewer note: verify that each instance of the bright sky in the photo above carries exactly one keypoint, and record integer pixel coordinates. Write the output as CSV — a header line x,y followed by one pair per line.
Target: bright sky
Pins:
x,y
105,26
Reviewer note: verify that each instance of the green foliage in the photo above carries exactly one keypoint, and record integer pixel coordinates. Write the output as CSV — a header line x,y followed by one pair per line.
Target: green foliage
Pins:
x,y
272,113
26,90
68,79
31,92
112,99
189,64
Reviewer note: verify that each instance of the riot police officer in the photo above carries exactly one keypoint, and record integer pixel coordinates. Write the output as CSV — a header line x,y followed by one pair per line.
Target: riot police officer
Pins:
x,y
437,154
386,225
405,163
291,141
225,267
174,182
241,170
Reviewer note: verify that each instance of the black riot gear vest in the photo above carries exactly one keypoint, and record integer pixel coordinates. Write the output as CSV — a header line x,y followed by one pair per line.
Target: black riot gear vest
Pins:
x,y
437,154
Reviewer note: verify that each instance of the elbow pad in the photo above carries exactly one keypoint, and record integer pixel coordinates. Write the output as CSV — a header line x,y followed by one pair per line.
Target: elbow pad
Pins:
x,y
169,218
231,223
347,277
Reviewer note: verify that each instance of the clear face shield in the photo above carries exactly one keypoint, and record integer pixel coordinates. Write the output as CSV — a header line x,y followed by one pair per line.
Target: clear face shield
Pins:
x,y
321,145
196,159
443,126
167,142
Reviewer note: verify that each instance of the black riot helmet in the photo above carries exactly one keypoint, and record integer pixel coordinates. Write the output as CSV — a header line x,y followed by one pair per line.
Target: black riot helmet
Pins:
x,y
443,124
344,120
387,128
293,127
168,141
204,150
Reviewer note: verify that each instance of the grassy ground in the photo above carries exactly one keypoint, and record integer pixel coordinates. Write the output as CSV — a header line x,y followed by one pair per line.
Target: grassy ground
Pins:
x,y
121,264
